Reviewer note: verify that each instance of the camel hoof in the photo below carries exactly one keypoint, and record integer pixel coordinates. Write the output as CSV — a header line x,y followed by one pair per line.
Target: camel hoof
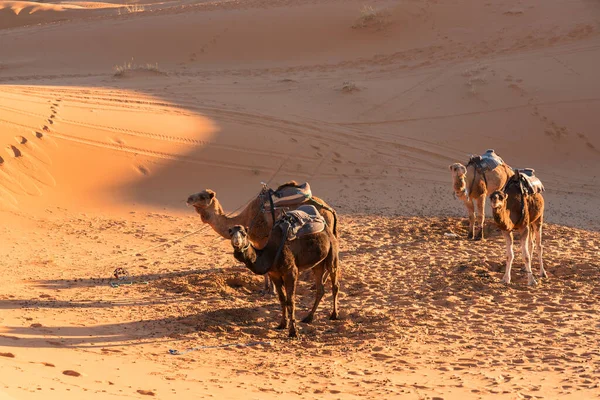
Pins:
x,y
543,274
532,282
470,235
293,334
506,281
267,292
308,319
334,317
281,326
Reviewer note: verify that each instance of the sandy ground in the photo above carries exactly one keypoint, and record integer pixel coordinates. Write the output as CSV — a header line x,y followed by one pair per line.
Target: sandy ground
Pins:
x,y
111,115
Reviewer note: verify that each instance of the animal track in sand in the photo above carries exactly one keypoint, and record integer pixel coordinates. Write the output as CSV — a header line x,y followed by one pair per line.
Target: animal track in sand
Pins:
x,y
142,169
70,372
13,151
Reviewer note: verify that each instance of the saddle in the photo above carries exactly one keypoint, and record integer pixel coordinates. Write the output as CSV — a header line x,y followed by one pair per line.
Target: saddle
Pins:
x,y
530,183
289,194
302,221
488,161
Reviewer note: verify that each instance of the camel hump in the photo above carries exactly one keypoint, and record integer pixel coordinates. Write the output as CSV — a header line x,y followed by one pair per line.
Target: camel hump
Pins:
x,y
288,194
488,161
304,220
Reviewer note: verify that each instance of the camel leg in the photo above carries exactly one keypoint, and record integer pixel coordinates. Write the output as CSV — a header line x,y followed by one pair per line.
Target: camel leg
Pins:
x,y
335,286
290,280
525,238
268,289
510,255
540,248
471,211
319,284
479,217
284,315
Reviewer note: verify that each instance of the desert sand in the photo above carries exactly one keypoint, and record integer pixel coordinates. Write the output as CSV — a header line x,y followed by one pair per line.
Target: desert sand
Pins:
x,y
111,114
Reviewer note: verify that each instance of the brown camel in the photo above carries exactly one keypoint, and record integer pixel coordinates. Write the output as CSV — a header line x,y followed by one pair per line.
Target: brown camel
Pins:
x,y
472,183
254,216
283,260
515,210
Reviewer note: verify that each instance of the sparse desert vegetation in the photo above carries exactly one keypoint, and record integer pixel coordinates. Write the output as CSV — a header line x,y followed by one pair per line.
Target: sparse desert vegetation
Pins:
x,y
130,67
371,17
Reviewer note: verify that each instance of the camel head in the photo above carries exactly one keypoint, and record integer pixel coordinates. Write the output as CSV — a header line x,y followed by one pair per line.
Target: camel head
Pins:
x,y
458,170
202,199
239,237
498,199
459,173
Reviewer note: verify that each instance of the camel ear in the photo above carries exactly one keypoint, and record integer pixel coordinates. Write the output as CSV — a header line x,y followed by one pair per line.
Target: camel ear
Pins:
x,y
230,232
451,167
211,194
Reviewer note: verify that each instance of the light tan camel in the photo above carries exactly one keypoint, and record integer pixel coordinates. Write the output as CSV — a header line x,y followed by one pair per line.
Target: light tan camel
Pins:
x,y
283,260
514,211
254,216
472,185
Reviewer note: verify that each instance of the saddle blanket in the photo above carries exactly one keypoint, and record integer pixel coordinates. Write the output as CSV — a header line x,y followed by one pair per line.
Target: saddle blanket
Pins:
x,y
531,183
302,221
289,195
488,161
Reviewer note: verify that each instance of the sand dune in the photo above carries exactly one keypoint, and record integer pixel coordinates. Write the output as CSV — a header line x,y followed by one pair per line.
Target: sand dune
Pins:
x,y
112,113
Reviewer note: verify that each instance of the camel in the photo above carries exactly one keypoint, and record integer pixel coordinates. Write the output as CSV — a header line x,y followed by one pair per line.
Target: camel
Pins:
x,y
514,210
472,184
283,260
254,216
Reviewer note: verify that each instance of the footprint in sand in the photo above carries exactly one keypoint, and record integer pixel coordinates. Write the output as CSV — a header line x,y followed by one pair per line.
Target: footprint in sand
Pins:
x,y
142,170
13,151
70,372
146,392
8,355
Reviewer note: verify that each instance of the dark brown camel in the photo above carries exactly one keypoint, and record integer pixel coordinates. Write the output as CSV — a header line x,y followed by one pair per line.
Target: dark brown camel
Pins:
x,y
283,260
524,213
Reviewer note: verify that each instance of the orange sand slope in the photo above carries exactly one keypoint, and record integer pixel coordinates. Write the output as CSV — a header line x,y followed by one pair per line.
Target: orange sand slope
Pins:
x,y
112,113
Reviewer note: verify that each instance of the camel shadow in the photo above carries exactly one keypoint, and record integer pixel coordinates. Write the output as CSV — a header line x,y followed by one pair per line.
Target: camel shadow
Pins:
x,y
257,321
140,279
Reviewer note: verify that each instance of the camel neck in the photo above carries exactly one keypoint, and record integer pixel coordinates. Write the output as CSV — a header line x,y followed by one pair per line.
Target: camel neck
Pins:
x,y
502,218
216,218
251,257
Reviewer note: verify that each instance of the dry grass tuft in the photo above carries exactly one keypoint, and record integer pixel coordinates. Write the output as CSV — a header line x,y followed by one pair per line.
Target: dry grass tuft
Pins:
x,y
349,87
131,8
371,17
128,67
